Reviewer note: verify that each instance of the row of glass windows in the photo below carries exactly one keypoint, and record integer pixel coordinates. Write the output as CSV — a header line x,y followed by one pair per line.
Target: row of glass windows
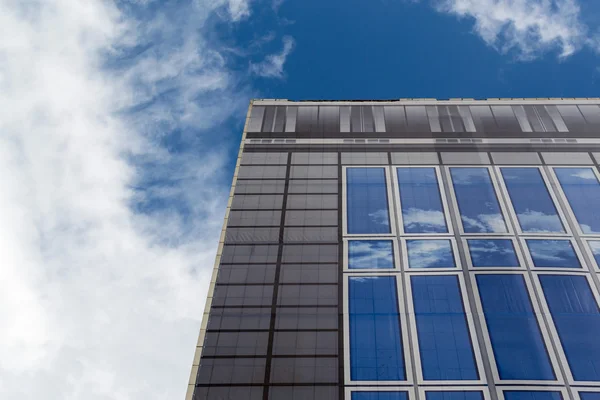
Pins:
x,y
446,348
441,253
434,118
472,394
423,208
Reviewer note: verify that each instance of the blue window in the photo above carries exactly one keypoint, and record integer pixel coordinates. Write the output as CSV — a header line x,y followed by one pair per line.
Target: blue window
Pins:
x,y
515,335
375,341
553,253
379,395
478,204
367,204
531,200
454,395
442,329
582,190
370,254
422,208
589,395
577,320
493,253
532,395
430,253
595,247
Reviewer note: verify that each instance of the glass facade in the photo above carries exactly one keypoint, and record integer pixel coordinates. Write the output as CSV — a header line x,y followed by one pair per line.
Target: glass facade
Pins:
x,y
409,251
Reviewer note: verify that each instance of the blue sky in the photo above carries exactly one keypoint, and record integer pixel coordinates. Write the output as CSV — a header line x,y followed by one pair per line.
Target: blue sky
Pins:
x,y
121,121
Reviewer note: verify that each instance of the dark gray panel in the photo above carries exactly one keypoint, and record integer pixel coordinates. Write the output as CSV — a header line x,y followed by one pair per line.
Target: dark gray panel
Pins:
x,y
304,370
311,217
259,186
572,118
329,118
395,119
416,118
312,201
235,344
251,235
456,119
533,118
272,158
303,392
506,119
259,253
307,318
307,295
291,115
231,370
228,393
262,172
254,218
317,253
313,171
314,158
240,318
483,119
256,118
269,118
236,295
307,120
591,113
309,273
368,121
279,124
545,118
355,119
369,158
305,343
311,235
254,201
317,186
252,273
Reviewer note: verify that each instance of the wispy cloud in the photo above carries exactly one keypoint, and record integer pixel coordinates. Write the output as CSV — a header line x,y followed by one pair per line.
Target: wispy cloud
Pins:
x,y
526,28
272,65
113,186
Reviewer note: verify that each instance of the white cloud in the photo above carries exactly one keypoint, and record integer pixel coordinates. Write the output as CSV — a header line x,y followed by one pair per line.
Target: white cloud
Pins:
x,y
430,254
536,221
585,173
272,65
371,254
428,220
485,223
527,27
100,301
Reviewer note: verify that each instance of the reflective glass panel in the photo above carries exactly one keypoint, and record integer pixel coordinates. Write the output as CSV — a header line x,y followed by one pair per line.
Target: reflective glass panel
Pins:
x,y
493,253
589,395
595,247
531,200
513,328
553,253
367,201
430,253
577,319
532,395
370,254
380,395
375,341
422,209
479,209
454,395
582,190
442,330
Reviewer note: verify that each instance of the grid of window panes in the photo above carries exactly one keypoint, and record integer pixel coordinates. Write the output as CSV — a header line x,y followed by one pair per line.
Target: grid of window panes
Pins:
x,y
471,274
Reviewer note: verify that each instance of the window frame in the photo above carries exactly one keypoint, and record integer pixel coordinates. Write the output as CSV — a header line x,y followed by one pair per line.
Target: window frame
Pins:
x,y
470,326
406,343
504,208
404,253
390,201
471,388
529,258
348,390
553,197
443,198
518,253
563,197
552,326
587,249
531,388
396,257
577,390
546,337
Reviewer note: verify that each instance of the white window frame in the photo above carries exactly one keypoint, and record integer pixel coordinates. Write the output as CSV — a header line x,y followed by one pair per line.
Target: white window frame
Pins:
x,y
588,250
563,196
578,253
577,390
404,327
396,257
404,252
390,200
518,253
552,327
349,390
530,388
443,197
470,326
483,389
511,209
543,330
497,191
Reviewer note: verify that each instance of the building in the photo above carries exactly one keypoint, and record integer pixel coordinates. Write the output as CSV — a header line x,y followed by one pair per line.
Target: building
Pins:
x,y
409,250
